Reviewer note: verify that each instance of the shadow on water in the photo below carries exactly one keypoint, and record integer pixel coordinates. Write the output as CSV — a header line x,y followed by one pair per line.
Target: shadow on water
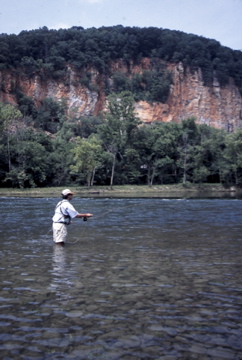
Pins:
x,y
143,279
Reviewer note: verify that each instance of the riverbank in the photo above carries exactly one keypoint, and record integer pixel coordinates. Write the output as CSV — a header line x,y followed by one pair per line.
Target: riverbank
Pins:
x,y
127,190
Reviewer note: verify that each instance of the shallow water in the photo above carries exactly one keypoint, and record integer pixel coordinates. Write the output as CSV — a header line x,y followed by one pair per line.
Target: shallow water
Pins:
x,y
143,279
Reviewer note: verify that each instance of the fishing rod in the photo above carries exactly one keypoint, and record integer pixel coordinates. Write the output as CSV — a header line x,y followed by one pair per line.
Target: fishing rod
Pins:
x,y
96,217
107,212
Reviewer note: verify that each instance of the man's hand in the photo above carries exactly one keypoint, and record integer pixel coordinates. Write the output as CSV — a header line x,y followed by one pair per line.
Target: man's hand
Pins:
x,y
86,216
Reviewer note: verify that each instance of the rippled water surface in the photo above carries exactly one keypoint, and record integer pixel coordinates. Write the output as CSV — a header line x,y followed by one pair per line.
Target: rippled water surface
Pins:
x,y
143,279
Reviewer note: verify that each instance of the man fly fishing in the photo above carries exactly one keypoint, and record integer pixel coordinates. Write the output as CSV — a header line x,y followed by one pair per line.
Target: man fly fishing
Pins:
x,y
64,213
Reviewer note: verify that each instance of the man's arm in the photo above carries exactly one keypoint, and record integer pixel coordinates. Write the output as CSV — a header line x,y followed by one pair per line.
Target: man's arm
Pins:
x,y
83,215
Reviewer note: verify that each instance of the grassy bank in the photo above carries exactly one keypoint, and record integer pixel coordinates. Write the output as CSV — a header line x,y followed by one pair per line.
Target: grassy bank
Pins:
x,y
123,190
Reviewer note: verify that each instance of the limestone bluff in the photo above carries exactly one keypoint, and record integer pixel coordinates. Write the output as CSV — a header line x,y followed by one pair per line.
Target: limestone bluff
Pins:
x,y
214,105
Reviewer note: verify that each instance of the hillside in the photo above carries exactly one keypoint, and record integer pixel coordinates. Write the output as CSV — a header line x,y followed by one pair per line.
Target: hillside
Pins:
x,y
172,75
72,103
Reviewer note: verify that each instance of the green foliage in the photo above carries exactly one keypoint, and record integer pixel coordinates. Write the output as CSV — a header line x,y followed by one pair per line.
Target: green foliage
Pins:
x,y
25,104
50,115
30,165
157,149
8,113
118,127
47,52
87,158
150,85
232,170
60,159
29,157
116,148
84,126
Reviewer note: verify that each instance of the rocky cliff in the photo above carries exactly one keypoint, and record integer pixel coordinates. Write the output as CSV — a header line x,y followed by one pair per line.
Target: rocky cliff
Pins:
x,y
218,106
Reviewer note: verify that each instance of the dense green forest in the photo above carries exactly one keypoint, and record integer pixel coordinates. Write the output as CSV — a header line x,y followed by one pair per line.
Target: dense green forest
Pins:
x,y
42,146
114,149
48,52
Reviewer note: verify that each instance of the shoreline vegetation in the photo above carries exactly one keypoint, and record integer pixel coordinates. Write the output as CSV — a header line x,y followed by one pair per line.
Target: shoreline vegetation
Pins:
x,y
175,190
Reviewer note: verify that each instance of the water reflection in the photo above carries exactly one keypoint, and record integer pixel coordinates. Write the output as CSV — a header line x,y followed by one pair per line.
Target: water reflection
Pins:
x,y
59,272
146,279
59,260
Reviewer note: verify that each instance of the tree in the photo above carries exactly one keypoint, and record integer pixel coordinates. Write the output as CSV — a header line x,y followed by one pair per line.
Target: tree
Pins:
x,y
165,147
50,115
207,155
147,138
47,52
31,166
186,147
157,150
30,158
62,157
84,126
8,115
87,158
119,124
233,158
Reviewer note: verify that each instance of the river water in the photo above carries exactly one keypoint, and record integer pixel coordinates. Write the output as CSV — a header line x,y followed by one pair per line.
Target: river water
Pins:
x,y
146,278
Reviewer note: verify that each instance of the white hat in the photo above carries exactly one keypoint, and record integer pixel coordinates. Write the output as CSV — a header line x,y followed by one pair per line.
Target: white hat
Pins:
x,y
67,192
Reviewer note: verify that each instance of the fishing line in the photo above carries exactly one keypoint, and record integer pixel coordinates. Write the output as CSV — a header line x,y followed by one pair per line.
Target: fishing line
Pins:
x,y
95,217
80,235
99,216
107,212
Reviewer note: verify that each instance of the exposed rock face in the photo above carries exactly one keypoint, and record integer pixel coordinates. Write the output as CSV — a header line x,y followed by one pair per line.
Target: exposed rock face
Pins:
x,y
220,107
77,97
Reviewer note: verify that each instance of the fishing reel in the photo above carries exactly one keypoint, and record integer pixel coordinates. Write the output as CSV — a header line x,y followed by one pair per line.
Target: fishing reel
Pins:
x,y
85,218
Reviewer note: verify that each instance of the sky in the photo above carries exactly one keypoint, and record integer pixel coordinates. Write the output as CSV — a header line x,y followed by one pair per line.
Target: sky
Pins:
x,y
214,19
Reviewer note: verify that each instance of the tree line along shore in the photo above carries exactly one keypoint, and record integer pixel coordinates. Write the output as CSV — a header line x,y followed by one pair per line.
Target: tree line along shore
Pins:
x,y
43,147
216,190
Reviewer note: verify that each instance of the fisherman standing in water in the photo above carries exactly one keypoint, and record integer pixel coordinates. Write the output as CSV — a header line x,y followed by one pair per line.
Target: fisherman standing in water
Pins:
x,y
64,212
